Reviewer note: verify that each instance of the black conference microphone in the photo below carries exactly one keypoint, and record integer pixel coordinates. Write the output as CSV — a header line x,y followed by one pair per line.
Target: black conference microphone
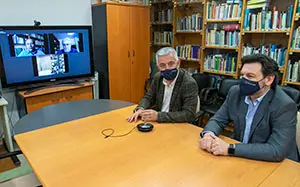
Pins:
x,y
145,127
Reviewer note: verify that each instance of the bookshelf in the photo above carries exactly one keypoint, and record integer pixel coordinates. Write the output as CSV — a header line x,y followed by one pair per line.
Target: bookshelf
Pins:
x,y
188,24
291,76
221,47
220,73
287,32
243,20
221,41
188,32
161,29
222,20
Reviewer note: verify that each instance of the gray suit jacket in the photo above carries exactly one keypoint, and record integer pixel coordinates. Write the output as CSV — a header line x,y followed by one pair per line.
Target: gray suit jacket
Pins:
x,y
183,101
273,132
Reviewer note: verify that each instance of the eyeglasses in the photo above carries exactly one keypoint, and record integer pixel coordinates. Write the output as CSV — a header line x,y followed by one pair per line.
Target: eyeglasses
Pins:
x,y
170,64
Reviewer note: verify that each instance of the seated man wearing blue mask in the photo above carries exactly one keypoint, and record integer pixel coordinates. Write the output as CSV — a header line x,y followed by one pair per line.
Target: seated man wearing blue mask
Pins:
x,y
173,94
264,117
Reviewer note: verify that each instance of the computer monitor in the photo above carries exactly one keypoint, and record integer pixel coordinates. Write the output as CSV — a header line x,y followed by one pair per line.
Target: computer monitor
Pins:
x,y
30,55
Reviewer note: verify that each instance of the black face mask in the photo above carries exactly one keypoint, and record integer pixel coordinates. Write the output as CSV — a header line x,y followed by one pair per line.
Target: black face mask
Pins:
x,y
248,87
169,74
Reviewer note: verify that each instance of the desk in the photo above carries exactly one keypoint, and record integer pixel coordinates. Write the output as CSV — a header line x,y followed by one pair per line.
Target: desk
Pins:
x,y
5,124
76,154
287,174
63,112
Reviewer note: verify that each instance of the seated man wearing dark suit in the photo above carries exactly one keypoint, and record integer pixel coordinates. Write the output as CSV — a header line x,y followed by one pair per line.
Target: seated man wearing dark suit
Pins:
x,y
264,117
173,93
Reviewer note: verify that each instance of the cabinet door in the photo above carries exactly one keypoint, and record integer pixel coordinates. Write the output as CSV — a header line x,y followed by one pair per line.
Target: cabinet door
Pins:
x,y
78,94
118,35
41,101
140,42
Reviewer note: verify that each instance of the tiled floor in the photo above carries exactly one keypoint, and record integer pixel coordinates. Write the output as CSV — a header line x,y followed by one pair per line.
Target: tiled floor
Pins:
x,y
5,164
29,180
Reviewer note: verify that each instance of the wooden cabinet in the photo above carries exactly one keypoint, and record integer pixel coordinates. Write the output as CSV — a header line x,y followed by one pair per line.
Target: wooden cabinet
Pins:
x,y
55,95
122,56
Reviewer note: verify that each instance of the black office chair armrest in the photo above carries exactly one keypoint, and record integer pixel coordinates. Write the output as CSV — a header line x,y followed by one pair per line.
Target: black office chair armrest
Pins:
x,y
199,115
208,92
202,92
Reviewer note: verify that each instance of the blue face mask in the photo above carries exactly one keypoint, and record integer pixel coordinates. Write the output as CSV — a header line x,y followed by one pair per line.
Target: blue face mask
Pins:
x,y
248,87
169,74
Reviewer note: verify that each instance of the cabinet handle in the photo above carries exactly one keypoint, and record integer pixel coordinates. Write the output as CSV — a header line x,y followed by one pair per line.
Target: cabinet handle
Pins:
x,y
69,97
55,100
128,53
133,52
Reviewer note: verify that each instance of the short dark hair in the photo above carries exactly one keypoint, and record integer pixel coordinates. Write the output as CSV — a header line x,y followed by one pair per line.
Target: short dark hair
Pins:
x,y
268,65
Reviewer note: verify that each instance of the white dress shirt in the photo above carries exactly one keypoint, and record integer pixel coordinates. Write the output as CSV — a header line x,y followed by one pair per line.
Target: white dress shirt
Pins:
x,y
168,94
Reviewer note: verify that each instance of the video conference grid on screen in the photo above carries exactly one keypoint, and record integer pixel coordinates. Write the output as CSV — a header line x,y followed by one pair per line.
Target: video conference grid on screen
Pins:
x,y
22,45
48,51
44,54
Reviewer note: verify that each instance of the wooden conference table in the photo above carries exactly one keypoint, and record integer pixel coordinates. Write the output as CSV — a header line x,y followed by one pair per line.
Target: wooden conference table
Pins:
x,y
75,153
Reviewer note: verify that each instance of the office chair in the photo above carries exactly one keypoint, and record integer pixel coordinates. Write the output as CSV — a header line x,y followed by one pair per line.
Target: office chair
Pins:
x,y
204,81
218,95
153,71
293,93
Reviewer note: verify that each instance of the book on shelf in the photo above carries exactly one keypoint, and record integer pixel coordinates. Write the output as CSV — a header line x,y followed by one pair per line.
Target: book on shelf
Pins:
x,y
298,7
188,52
225,63
268,20
223,35
164,16
165,37
158,1
276,52
295,45
190,23
293,71
253,4
188,1
220,11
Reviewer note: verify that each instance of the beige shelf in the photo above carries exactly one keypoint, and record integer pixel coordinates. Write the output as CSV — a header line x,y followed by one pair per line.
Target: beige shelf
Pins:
x,y
294,51
189,60
190,3
188,32
220,73
297,18
165,45
161,2
281,69
293,83
221,21
162,23
219,47
267,32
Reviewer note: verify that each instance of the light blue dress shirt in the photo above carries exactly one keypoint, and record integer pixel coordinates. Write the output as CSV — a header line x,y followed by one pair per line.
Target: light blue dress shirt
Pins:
x,y
252,108
26,52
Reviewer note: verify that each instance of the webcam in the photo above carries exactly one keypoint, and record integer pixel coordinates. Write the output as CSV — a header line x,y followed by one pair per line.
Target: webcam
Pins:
x,y
36,23
145,127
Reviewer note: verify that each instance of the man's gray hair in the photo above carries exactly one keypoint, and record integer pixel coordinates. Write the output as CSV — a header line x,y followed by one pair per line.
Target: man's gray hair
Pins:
x,y
166,51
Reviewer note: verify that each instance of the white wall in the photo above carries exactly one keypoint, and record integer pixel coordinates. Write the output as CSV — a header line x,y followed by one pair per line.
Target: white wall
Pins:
x,y
48,12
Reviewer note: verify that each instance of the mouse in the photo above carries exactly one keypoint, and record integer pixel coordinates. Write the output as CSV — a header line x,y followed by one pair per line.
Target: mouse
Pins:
x,y
145,127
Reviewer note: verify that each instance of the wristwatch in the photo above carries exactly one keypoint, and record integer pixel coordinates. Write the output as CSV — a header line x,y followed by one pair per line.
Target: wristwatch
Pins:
x,y
231,149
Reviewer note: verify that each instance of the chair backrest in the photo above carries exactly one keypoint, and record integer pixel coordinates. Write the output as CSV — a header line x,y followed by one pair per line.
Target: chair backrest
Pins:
x,y
204,81
293,93
298,131
225,85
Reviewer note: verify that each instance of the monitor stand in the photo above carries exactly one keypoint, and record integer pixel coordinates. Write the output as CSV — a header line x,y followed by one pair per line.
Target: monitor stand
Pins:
x,y
35,89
